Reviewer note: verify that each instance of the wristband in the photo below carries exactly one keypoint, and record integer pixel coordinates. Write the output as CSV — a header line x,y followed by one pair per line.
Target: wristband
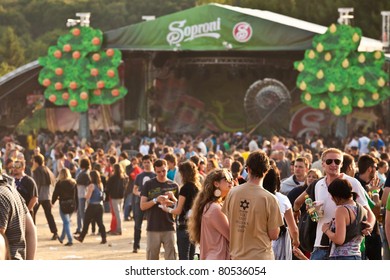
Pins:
x,y
374,191
155,200
295,211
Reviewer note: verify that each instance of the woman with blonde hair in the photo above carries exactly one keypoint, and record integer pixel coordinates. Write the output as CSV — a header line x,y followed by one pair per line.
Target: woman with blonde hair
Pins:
x,y
191,186
65,191
207,225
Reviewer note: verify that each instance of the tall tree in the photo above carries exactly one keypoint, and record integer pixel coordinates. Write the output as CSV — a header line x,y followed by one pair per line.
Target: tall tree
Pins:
x,y
11,50
5,68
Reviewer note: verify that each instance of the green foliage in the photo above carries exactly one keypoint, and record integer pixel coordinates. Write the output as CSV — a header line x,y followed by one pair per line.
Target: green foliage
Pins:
x,y
78,73
5,68
38,23
335,75
11,50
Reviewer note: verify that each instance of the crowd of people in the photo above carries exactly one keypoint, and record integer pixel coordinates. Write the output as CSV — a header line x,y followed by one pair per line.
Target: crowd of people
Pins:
x,y
227,196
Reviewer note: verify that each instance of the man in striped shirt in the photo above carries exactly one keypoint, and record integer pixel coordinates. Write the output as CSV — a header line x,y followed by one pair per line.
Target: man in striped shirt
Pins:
x,y
16,222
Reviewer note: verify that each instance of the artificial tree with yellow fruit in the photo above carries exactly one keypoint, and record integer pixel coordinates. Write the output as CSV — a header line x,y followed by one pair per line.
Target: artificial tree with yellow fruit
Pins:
x,y
336,76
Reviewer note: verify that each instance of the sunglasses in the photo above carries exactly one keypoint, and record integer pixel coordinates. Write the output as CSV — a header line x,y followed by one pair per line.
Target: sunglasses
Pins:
x,y
17,165
336,161
227,176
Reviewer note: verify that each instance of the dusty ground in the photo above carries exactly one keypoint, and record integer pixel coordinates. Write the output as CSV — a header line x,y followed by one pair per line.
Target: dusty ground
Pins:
x,y
117,247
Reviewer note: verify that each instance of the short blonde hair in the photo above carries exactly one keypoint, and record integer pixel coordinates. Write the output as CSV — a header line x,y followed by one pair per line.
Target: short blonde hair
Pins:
x,y
331,150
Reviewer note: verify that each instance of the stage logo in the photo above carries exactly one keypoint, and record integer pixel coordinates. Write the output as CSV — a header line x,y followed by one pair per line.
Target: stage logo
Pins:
x,y
180,32
242,32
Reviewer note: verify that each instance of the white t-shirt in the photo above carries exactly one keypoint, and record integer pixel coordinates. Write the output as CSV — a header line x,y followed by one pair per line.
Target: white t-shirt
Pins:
x,y
284,203
321,194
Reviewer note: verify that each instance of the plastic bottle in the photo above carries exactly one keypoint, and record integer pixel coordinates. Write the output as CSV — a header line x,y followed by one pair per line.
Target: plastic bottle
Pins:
x,y
311,210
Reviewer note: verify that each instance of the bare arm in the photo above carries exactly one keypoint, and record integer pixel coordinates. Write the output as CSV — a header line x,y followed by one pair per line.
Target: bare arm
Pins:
x,y
89,191
273,234
377,208
370,221
136,191
4,250
299,201
31,238
385,195
375,187
220,223
31,204
298,204
292,227
145,204
179,207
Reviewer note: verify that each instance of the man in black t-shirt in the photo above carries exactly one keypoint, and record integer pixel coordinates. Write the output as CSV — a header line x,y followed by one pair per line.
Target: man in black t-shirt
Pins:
x,y
367,166
25,185
160,228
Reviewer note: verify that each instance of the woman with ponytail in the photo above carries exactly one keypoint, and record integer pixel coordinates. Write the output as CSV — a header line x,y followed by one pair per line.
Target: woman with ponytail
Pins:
x,y
345,231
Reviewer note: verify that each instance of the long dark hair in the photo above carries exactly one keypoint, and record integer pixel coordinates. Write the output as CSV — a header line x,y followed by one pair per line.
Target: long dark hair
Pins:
x,y
189,173
118,171
95,179
271,180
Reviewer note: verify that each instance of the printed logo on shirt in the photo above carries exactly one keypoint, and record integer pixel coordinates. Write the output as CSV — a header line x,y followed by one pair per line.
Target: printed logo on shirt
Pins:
x,y
244,204
242,221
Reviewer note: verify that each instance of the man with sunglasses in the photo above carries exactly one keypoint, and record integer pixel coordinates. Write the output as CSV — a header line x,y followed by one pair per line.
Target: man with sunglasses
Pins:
x,y
332,160
25,185
367,176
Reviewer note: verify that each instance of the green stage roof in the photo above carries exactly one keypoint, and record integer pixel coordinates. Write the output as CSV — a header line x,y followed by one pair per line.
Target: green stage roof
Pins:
x,y
216,27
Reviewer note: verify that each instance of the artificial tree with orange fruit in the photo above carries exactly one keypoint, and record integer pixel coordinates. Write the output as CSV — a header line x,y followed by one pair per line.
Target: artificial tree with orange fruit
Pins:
x,y
78,73
335,75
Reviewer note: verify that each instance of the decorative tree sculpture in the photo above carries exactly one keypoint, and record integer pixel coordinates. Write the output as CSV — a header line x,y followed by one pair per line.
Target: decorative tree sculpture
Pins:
x,y
78,73
335,75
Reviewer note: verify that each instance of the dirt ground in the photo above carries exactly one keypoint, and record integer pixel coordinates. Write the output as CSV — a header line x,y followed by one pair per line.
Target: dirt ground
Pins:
x,y
118,247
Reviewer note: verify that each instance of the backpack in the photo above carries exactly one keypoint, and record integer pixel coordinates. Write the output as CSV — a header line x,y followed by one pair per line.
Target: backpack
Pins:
x,y
307,228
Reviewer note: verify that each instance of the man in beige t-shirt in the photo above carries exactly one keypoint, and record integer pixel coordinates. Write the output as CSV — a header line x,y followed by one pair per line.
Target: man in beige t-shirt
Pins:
x,y
253,214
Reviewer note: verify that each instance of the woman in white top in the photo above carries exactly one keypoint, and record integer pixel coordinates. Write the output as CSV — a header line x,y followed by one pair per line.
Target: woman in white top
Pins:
x,y
282,246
